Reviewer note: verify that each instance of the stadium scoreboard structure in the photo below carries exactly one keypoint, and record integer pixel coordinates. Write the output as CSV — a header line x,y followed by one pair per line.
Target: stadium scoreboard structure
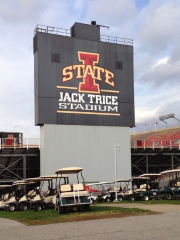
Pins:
x,y
84,89
80,80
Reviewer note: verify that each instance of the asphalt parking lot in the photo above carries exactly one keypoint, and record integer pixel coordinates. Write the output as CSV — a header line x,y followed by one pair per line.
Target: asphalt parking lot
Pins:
x,y
162,226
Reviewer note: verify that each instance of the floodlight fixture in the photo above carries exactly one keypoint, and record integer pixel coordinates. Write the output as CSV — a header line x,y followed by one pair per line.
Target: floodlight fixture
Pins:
x,y
172,115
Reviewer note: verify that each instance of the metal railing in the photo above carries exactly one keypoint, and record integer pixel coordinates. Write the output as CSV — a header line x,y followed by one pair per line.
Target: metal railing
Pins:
x,y
53,30
67,33
19,143
117,40
146,144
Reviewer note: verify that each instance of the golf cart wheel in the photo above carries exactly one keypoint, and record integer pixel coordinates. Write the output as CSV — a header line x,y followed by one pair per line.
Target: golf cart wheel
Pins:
x,y
107,199
12,207
120,198
61,210
37,207
168,196
145,198
23,207
131,198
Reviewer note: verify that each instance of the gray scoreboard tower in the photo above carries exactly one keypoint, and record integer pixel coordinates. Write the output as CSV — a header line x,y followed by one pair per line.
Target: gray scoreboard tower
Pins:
x,y
84,100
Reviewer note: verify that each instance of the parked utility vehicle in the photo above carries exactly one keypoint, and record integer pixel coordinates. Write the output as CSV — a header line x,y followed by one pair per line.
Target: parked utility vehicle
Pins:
x,y
126,193
172,189
5,195
102,193
139,185
93,195
150,190
18,200
72,196
47,198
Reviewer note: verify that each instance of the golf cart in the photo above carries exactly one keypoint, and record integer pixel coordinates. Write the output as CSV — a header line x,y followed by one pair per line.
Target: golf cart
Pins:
x,y
126,193
171,190
19,199
72,197
93,195
5,191
150,192
112,193
46,199
102,193
139,187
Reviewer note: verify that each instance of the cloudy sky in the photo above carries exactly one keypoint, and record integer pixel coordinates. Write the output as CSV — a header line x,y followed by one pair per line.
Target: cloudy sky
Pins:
x,y
154,26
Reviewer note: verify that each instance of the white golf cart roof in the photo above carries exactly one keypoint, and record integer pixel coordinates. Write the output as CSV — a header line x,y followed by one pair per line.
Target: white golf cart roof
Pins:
x,y
139,178
19,182
69,170
155,175
38,179
91,184
124,180
171,171
23,182
5,186
99,183
54,176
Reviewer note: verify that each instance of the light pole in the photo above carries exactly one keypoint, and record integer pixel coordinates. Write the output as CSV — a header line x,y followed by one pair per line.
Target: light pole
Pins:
x,y
116,148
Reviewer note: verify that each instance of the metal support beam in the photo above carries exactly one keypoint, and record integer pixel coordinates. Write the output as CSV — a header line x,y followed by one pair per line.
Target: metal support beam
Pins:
x,y
171,153
147,164
172,162
144,154
24,167
17,155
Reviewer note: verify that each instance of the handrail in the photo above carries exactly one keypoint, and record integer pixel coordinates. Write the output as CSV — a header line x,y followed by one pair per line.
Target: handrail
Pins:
x,y
67,33
19,143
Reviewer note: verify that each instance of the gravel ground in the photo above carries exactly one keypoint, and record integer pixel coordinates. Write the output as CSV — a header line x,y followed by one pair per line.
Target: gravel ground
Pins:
x,y
163,226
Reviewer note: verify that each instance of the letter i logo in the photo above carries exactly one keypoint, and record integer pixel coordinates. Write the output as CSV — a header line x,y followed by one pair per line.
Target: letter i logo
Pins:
x,y
88,84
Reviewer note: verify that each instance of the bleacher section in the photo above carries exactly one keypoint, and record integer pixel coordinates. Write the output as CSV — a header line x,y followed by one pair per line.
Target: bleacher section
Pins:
x,y
163,138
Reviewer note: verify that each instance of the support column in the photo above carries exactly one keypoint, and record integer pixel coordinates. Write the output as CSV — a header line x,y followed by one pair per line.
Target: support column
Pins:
x,y
24,167
147,166
172,161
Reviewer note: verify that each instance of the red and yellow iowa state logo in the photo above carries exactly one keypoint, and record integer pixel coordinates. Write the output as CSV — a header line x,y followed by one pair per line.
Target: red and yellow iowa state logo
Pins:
x,y
89,72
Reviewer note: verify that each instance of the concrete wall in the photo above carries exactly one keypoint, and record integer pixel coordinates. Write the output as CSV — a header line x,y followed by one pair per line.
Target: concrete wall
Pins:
x,y
90,147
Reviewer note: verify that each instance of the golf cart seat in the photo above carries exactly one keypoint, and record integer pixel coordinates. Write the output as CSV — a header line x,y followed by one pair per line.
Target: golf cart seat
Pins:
x,y
142,188
78,187
6,196
45,193
78,190
178,184
31,194
66,188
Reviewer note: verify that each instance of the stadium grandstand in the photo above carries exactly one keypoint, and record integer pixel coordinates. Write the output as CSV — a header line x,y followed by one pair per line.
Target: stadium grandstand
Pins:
x,y
155,151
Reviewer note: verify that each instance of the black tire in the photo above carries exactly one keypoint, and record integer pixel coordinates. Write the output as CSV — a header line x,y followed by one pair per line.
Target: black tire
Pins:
x,y
145,198
61,210
23,207
131,198
107,199
120,198
168,196
37,207
12,207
